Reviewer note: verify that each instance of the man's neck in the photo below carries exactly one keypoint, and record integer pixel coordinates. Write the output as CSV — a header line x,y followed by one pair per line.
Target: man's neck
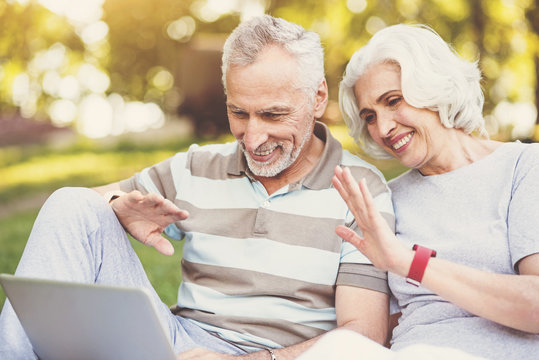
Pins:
x,y
303,165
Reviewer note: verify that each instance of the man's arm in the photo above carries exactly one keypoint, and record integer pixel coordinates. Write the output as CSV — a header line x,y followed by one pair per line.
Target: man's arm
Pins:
x,y
362,310
109,189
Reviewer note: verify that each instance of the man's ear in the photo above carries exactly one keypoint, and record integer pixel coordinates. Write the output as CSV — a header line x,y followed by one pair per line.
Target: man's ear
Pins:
x,y
321,99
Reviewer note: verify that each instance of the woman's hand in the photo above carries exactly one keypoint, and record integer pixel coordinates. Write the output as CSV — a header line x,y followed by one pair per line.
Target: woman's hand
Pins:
x,y
145,217
378,243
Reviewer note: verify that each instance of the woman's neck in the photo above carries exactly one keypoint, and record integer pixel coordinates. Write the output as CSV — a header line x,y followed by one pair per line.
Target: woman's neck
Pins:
x,y
464,150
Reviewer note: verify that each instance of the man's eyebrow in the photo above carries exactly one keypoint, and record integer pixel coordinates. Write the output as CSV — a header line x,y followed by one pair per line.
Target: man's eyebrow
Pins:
x,y
271,109
234,107
274,109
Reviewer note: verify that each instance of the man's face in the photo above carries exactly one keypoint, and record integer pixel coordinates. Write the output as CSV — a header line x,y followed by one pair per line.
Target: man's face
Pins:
x,y
270,117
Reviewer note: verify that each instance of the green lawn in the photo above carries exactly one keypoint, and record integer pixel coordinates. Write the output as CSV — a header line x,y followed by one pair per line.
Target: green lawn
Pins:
x,y
26,174
164,272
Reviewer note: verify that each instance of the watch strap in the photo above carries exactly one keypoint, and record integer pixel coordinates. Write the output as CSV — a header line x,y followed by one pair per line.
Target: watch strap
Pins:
x,y
419,264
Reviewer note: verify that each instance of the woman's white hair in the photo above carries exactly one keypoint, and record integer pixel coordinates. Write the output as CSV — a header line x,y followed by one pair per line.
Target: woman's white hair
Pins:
x,y
433,76
245,43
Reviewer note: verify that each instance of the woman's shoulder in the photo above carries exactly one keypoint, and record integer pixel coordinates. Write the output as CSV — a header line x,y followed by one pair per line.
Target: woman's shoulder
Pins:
x,y
521,155
527,159
403,180
529,151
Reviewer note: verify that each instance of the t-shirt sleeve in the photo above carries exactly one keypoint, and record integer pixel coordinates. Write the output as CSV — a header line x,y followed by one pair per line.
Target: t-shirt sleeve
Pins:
x,y
154,179
364,276
356,269
523,226
161,179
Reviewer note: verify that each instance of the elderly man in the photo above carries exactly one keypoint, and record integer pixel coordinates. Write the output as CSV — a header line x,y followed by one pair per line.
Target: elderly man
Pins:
x,y
264,273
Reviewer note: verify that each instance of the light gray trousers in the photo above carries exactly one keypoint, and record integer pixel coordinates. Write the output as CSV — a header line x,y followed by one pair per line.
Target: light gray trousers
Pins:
x,y
77,237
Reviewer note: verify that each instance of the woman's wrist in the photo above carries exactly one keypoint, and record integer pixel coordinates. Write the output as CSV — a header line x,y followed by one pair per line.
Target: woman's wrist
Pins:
x,y
419,264
403,261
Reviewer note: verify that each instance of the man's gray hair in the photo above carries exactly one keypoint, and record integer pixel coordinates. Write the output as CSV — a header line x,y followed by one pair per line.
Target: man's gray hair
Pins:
x,y
246,42
433,76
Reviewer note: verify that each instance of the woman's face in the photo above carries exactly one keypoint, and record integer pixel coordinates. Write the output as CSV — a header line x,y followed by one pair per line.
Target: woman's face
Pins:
x,y
414,136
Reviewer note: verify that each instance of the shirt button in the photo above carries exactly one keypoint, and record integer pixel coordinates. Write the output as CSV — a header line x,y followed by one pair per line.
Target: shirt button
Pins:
x,y
266,203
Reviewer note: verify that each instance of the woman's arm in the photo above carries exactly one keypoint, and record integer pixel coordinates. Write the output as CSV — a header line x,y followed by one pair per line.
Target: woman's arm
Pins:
x,y
511,300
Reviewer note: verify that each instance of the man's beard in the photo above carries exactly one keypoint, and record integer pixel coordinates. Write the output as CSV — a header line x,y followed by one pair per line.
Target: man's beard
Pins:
x,y
287,157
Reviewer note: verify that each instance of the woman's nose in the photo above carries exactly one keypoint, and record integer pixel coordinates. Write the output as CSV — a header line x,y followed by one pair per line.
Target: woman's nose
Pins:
x,y
386,125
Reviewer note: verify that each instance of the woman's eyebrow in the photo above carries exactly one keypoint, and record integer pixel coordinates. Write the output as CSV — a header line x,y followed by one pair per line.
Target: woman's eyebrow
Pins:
x,y
378,101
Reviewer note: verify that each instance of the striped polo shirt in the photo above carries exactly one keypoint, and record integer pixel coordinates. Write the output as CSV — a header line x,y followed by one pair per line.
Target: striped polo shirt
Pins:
x,y
261,270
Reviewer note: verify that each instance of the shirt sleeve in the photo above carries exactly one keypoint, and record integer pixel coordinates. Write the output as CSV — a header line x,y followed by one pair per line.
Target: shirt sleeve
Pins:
x,y
363,276
356,269
523,227
160,179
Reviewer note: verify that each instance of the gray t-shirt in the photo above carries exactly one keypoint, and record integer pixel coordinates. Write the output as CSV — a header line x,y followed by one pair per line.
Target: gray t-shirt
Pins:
x,y
484,215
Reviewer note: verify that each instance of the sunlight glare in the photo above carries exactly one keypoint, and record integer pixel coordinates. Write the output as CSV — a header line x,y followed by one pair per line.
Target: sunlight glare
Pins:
x,y
95,116
69,88
140,116
51,59
62,112
374,24
77,11
93,79
356,6
163,80
94,32
212,10
251,9
520,116
182,29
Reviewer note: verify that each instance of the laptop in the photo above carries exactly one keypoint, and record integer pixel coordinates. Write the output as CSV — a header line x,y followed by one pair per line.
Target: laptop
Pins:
x,y
66,320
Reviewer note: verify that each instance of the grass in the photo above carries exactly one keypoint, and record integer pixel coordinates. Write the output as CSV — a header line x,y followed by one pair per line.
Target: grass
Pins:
x,y
164,272
27,173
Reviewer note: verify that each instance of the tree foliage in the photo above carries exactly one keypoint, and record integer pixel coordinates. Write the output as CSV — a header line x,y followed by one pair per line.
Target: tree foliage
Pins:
x,y
167,51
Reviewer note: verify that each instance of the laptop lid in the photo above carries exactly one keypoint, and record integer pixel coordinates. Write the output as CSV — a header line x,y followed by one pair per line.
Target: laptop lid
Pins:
x,y
66,320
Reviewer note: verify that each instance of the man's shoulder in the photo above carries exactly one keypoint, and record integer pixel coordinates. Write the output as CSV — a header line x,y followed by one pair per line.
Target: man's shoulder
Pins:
x,y
223,149
206,152
215,161
349,159
361,168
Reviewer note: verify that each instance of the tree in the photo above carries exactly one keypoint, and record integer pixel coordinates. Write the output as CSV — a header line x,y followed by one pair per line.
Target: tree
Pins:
x,y
33,41
167,52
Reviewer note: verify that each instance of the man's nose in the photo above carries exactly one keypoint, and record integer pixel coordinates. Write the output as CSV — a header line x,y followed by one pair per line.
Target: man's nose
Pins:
x,y
256,133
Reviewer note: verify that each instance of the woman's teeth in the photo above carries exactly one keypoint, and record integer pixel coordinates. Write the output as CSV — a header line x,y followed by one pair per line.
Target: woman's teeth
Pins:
x,y
402,141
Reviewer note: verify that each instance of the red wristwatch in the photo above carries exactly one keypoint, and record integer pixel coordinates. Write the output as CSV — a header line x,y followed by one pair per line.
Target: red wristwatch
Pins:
x,y
419,264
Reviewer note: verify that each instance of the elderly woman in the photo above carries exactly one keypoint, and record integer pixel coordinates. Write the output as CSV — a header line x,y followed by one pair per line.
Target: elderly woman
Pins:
x,y
464,264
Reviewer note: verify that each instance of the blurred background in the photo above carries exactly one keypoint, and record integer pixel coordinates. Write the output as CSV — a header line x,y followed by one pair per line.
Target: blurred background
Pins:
x,y
93,90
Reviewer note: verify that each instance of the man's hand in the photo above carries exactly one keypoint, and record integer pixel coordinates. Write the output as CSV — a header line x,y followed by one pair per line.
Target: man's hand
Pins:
x,y
145,217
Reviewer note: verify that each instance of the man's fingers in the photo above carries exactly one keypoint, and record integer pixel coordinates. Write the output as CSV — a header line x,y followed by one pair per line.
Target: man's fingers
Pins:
x,y
160,244
172,209
157,204
135,196
152,200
